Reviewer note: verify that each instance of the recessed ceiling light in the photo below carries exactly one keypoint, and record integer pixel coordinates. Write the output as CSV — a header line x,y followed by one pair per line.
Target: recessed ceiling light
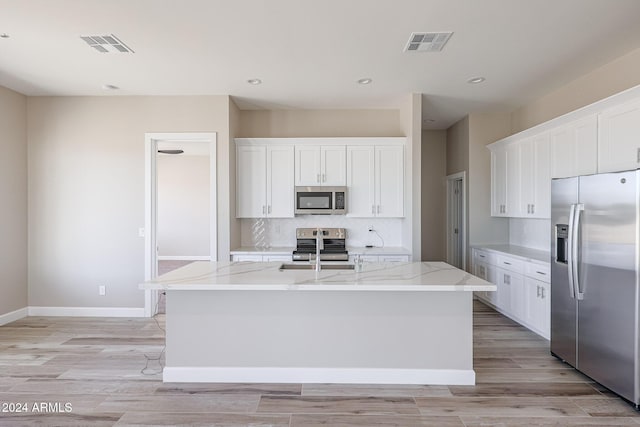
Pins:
x,y
365,81
254,81
5,35
110,87
476,80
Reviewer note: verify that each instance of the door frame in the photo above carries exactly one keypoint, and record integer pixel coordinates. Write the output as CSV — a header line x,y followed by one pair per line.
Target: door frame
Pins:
x,y
462,176
151,204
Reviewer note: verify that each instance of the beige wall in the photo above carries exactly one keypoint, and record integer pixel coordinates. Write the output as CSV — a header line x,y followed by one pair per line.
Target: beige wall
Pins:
x,y
234,130
13,193
86,191
616,76
411,122
433,201
458,147
318,123
184,186
483,228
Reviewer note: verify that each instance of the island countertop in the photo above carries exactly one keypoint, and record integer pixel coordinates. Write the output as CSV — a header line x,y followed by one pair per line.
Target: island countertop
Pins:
x,y
262,276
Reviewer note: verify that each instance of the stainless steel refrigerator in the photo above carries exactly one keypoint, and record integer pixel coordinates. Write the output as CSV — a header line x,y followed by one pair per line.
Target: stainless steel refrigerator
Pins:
x,y
594,278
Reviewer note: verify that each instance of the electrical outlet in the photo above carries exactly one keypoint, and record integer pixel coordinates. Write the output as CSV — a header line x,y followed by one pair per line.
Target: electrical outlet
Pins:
x,y
102,290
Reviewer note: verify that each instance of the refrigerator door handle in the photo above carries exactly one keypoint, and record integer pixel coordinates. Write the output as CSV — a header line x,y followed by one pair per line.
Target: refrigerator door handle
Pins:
x,y
575,242
570,252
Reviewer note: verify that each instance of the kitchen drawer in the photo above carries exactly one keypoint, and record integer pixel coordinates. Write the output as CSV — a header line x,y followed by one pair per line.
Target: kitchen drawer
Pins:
x,y
484,256
540,272
508,263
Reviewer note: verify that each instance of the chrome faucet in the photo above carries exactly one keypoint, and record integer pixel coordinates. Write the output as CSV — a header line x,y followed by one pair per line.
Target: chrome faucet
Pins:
x,y
319,246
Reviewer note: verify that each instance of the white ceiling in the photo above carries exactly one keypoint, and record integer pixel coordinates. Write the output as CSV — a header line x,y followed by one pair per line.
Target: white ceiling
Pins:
x,y
310,53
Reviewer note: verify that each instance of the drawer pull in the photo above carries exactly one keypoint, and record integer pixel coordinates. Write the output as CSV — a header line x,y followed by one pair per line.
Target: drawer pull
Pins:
x,y
507,263
481,256
540,272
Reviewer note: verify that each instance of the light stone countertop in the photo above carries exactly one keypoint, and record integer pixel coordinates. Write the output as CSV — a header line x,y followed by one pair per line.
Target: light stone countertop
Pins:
x,y
528,254
288,250
261,276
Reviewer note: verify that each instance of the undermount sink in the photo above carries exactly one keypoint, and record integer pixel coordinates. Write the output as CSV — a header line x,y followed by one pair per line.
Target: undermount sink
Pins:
x,y
313,267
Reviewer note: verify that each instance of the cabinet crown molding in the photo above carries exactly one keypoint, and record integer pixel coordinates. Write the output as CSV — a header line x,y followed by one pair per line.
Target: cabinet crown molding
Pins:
x,y
394,140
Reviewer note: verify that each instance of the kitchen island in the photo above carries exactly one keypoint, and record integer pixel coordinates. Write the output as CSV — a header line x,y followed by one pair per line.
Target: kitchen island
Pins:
x,y
396,323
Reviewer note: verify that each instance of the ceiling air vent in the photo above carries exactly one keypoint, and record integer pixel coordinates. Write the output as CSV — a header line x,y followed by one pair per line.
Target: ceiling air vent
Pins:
x,y
427,42
107,44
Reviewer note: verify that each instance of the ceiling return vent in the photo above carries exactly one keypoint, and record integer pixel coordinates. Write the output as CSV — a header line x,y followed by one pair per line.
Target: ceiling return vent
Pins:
x,y
427,42
107,44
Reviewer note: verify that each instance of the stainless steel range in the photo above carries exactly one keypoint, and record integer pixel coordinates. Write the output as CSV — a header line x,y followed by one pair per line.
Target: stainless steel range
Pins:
x,y
334,249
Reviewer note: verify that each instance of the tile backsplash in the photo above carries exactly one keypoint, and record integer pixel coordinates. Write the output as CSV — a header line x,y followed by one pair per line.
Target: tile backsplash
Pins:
x,y
282,231
530,233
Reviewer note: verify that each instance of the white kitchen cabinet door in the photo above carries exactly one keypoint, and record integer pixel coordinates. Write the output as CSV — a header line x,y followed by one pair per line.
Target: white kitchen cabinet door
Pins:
x,y
320,165
513,181
280,185
535,179
499,181
619,138
333,165
537,306
360,181
307,165
503,283
573,148
251,201
389,172
516,295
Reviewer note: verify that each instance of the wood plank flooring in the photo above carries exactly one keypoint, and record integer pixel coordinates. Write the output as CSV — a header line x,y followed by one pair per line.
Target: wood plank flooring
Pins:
x,y
95,365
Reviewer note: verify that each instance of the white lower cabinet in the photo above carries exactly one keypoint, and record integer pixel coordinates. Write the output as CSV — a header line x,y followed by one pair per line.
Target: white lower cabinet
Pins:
x,y
380,258
537,305
522,288
260,258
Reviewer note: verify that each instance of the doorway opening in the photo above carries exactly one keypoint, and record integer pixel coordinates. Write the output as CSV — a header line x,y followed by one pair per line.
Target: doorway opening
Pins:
x,y
180,204
457,220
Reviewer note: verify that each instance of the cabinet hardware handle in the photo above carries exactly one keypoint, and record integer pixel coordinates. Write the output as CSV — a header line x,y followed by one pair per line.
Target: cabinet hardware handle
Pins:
x,y
533,209
507,263
528,209
542,292
269,209
537,291
324,177
638,156
263,209
378,208
481,256
318,178
540,272
373,209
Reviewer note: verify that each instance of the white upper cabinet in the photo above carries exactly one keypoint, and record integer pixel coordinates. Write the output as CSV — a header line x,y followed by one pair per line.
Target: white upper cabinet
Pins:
x,y
375,181
535,178
619,138
574,148
264,181
520,182
499,181
320,165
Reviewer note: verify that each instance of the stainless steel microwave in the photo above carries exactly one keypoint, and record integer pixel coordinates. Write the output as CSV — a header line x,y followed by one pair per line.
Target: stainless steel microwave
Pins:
x,y
321,200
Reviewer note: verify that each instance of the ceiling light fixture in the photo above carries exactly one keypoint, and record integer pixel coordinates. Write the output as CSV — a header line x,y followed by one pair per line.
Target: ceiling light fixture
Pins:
x,y
365,81
5,35
110,87
254,81
476,80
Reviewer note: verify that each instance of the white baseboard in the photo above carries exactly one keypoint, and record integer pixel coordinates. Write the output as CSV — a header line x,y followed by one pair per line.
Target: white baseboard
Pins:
x,y
184,258
320,375
13,316
87,311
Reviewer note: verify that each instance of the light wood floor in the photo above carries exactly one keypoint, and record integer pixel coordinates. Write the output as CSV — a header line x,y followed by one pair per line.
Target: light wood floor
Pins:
x,y
95,364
